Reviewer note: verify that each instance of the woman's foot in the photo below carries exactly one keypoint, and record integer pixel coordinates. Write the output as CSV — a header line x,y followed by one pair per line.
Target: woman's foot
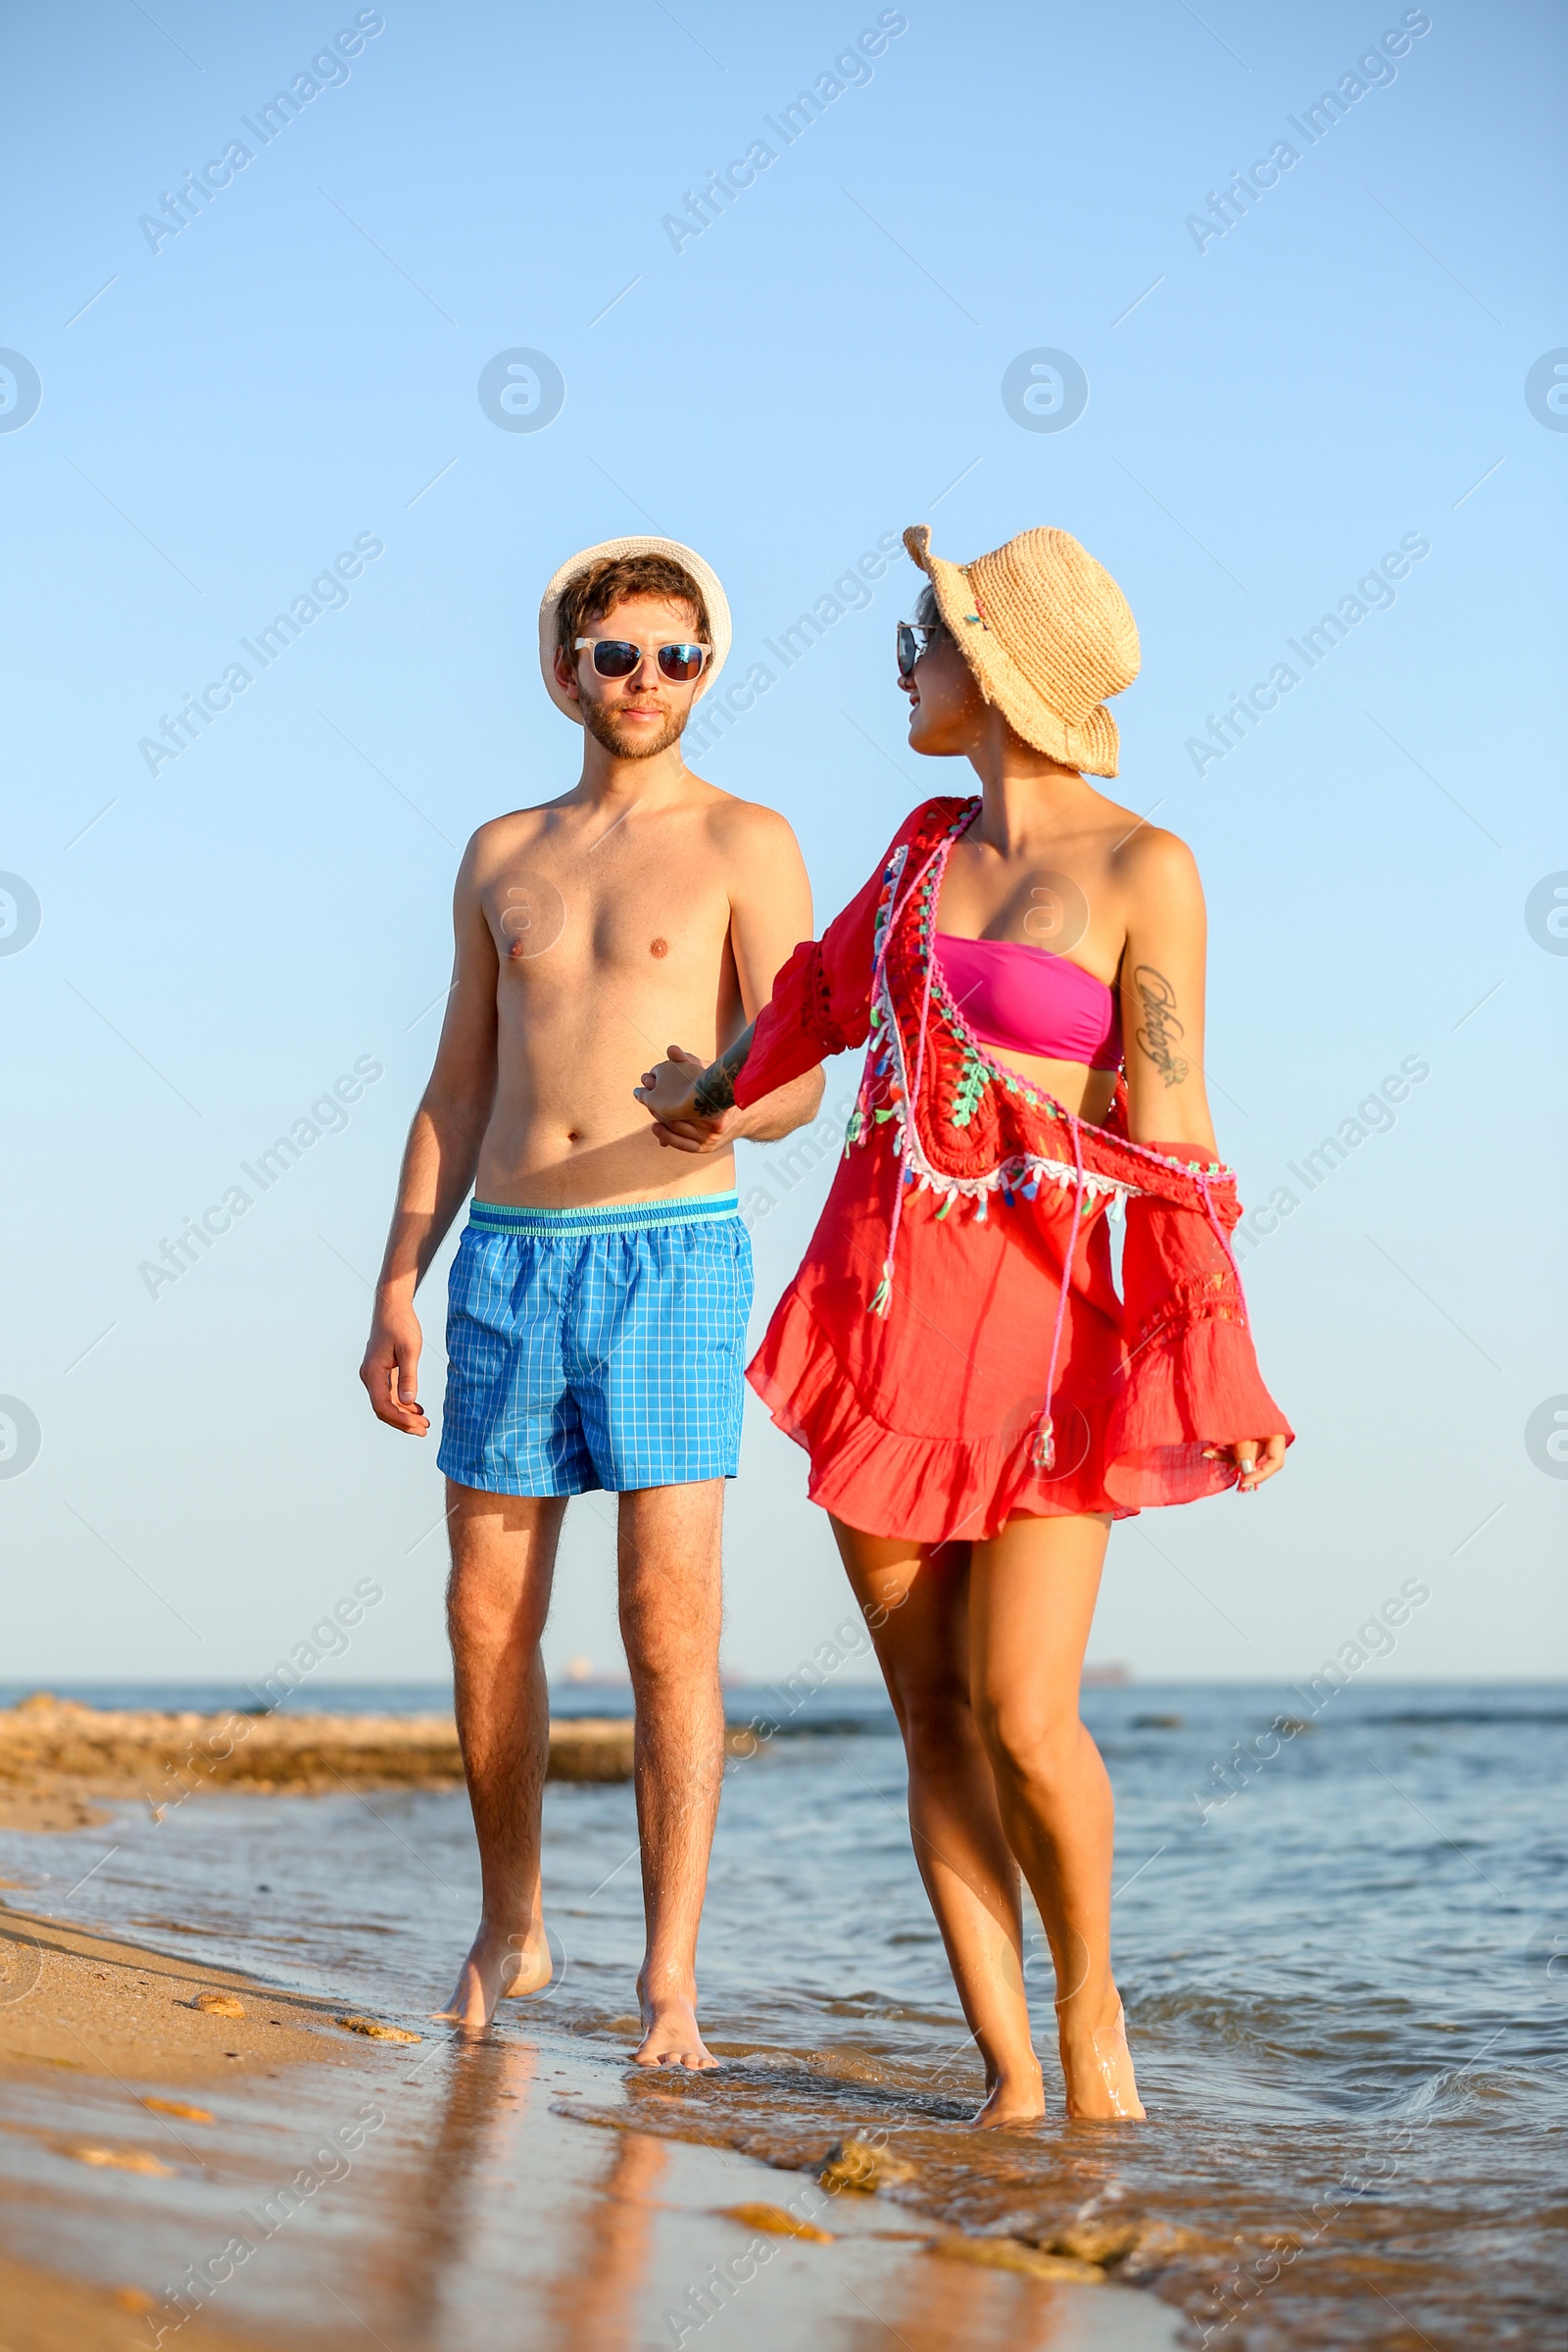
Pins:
x,y
1014,2097
1099,2067
500,1967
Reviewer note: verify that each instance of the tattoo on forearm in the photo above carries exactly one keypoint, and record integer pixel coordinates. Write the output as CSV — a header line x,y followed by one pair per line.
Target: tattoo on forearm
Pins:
x,y
714,1090
1160,1032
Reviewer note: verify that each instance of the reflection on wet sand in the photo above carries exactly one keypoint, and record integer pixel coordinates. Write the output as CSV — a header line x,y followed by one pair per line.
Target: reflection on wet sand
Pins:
x,y
939,2304
437,2205
432,2272
594,2297
578,2262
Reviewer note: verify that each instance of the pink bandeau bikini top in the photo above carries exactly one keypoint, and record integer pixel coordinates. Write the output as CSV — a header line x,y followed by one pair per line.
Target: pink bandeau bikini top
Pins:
x,y
1024,1000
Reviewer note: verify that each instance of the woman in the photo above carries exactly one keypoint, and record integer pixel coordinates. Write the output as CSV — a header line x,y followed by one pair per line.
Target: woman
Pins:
x,y
975,1433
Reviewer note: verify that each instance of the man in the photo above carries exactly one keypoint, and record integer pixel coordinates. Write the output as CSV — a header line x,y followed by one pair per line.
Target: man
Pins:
x,y
600,1292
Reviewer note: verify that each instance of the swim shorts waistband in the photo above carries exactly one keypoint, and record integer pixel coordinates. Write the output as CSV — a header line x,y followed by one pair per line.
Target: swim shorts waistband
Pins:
x,y
631,1216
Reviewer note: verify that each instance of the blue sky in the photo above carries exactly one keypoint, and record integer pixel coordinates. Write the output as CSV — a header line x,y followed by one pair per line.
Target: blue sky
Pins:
x,y
1276,402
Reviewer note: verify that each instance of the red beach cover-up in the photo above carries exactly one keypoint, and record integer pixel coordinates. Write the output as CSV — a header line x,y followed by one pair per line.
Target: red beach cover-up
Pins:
x,y
930,1356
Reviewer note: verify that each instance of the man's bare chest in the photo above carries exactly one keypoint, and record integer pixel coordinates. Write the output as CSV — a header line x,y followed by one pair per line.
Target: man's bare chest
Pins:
x,y
559,921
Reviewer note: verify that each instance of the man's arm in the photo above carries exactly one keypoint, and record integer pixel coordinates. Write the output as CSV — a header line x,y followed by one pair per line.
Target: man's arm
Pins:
x,y
438,1162
770,909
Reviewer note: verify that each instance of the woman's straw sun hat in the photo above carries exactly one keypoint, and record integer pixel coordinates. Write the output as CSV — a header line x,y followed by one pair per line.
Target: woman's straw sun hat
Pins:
x,y
706,580
1048,634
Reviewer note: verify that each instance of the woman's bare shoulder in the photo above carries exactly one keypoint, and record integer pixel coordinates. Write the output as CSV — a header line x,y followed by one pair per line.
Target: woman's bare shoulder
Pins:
x,y
1152,861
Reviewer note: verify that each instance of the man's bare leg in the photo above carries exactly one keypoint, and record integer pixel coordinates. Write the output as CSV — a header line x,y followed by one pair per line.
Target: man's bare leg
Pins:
x,y
670,1608
503,1561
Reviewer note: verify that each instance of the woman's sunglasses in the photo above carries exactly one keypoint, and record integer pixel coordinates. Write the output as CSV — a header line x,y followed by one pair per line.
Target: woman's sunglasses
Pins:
x,y
618,658
914,636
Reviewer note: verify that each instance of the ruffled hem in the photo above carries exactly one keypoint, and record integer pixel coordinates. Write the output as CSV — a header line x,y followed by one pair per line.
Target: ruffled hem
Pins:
x,y
925,1489
1156,1443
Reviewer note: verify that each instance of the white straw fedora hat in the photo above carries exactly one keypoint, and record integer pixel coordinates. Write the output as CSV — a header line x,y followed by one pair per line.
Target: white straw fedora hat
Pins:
x,y
607,550
1048,634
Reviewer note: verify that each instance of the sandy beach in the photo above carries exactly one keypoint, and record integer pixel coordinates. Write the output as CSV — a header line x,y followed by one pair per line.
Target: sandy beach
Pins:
x,y
277,2179
90,2023
193,2156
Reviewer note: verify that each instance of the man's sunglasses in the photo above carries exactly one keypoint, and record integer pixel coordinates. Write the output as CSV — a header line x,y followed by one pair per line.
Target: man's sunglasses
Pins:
x,y
914,637
618,658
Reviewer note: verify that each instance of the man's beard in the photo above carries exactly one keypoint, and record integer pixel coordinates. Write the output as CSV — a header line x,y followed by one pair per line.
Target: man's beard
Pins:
x,y
605,725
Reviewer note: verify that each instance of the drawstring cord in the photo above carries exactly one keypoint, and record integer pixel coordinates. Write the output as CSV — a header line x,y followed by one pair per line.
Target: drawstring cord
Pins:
x,y
882,1298
895,909
1043,1452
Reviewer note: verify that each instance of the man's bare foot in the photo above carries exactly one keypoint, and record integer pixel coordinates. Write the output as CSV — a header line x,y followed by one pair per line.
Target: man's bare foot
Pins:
x,y
1099,2067
1013,2098
498,1968
669,2035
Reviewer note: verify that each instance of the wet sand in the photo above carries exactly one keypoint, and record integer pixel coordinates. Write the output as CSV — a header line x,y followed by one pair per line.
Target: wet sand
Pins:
x,y
174,2176
90,2029
47,2314
1350,2050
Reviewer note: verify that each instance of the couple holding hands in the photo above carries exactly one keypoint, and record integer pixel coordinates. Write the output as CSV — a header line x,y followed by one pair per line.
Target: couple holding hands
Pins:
x,y
977,1398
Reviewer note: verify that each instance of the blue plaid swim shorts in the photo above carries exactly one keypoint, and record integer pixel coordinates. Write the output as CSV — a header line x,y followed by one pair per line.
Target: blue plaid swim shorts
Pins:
x,y
597,1346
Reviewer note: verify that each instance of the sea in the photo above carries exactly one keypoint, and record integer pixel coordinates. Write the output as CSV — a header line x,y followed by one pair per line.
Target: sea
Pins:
x,y
1341,1931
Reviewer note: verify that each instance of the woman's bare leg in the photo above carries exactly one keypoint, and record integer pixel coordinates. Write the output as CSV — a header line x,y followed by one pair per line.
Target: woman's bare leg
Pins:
x,y
1032,1591
916,1607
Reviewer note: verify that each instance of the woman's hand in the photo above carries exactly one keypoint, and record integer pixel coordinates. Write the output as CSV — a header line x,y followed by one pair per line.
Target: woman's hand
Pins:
x,y
667,1092
1255,1459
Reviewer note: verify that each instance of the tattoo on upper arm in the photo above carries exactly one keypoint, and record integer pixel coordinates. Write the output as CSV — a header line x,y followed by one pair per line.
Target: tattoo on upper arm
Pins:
x,y
1160,1032
714,1090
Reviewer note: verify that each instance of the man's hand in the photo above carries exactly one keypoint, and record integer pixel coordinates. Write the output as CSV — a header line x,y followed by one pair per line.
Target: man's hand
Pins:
x,y
391,1369
668,1093
1256,1458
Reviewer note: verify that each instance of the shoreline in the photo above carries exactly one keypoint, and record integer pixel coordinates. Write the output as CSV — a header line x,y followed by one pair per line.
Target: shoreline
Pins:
x,y
86,2012
76,2027
162,2191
